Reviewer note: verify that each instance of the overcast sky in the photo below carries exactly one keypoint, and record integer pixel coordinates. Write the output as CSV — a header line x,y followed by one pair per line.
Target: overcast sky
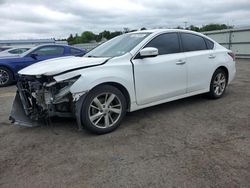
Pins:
x,y
57,19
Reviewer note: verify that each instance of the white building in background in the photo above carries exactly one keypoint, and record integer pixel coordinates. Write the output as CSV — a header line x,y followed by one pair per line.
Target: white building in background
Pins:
x,y
237,40
89,46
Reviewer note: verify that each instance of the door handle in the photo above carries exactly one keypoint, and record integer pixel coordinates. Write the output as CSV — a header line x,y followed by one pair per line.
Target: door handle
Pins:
x,y
211,56
180,62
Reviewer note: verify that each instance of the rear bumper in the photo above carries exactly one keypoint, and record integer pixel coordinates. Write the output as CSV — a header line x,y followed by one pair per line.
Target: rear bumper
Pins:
x,y
18,114
232,74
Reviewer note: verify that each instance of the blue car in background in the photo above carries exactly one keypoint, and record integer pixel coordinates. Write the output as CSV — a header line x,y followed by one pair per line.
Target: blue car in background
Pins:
x,y
9,66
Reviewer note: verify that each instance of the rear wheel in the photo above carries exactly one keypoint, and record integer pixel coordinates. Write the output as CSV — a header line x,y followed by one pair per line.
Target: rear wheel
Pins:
x,y
218,84
6,77
103,109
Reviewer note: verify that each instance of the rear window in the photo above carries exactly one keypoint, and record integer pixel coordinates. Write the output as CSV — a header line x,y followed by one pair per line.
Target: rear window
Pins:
x,y
75,51
15,51
18,51
193,42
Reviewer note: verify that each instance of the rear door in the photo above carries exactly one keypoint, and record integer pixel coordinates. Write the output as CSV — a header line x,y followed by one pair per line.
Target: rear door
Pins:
x,y
163,76
199,58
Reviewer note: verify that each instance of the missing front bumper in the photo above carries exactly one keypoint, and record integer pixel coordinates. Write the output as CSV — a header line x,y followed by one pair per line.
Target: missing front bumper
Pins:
x,y
18,115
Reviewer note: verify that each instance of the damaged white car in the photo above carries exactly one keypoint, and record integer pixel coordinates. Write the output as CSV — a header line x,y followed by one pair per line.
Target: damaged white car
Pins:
x,y
130,72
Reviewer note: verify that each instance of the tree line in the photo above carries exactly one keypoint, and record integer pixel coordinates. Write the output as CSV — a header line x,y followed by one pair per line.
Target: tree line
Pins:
x,y
88,36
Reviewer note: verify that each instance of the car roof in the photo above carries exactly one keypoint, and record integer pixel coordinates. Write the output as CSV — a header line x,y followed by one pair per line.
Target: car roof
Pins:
x,y
159,31
165,31
43,45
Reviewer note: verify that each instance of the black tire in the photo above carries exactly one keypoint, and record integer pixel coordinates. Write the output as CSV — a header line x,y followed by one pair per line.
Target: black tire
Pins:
x,y
6,77
89,109
212,93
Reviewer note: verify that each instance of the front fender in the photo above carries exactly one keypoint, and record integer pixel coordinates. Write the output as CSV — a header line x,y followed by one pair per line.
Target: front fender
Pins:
x,y
8,66
85,84
91,78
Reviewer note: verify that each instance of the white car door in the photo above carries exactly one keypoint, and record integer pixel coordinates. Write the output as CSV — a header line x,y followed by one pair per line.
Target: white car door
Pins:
x,y
163,76
199,60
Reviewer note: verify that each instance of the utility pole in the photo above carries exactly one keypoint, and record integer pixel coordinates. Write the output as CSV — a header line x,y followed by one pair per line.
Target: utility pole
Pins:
x,y
185,24
125,30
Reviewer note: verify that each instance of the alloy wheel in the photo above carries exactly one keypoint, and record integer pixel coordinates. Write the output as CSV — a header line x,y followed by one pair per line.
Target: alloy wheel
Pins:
x,y
105,110
4,77
219,84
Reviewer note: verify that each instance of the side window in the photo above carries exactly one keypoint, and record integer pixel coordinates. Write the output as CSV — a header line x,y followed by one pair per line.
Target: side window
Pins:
x,y
166,43
192,42
50,50
74,51
210,44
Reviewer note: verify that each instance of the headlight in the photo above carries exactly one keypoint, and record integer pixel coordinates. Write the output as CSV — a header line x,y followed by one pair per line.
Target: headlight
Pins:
x,y
58,90
63,83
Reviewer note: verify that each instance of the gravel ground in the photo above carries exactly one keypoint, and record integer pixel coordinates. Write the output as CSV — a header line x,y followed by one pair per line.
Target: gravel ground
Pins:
x,y
194,142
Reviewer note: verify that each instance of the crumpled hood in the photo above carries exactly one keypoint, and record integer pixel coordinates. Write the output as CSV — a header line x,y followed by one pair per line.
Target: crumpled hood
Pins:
x,y
58,65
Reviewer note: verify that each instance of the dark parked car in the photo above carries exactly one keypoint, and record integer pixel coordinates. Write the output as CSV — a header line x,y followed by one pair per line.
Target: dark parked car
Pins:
x,y
9,66
4,48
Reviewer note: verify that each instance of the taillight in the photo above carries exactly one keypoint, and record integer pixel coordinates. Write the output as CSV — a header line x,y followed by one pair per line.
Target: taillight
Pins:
x,y
232,55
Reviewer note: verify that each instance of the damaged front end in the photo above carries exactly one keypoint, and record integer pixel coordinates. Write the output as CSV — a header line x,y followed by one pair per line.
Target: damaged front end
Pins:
x,y
38,98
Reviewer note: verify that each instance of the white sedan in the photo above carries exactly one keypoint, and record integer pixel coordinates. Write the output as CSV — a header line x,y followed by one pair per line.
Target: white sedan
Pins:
x,y
130,72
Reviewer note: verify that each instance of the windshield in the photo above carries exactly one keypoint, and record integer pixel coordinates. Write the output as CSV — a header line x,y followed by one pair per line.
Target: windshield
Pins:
x,y
28,51
18,50
118,46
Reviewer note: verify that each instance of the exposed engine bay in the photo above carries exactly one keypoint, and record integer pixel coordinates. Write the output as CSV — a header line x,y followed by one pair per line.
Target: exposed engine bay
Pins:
x,y
42,97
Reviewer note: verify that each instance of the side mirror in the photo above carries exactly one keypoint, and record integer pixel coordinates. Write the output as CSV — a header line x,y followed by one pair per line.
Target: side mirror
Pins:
x,y
149,52
33,55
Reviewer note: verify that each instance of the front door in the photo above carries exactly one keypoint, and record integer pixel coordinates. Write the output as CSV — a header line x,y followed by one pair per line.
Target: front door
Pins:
x,y
163,76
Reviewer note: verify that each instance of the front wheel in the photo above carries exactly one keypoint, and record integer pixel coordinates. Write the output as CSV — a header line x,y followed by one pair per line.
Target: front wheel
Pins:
x,y
103,109
218,84
6,77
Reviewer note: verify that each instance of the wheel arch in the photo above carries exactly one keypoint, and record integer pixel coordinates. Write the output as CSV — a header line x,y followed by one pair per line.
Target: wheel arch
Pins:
x,y
79,102
224,69
7,67
122,88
